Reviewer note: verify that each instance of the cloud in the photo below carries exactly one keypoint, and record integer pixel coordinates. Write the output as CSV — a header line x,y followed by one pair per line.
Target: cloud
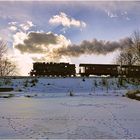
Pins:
x,y
66,21
13,28
26,26
111,15
40,44
37,42
19,38
12,32
12,23
116,14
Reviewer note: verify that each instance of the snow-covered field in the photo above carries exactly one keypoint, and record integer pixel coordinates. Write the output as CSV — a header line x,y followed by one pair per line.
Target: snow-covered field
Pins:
x,y
96,110
70,117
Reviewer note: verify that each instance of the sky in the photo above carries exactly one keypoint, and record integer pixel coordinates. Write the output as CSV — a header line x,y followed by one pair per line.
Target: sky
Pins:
x,y
66,31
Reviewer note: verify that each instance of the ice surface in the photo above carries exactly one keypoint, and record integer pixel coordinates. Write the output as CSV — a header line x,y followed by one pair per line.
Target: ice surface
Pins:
x,y
70,117
96,110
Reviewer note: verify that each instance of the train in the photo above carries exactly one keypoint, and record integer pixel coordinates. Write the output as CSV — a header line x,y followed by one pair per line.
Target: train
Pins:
x,y
85,70
53,69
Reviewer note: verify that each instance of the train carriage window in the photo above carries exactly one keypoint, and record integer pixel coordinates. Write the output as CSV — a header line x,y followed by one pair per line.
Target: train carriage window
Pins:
x,y
82,69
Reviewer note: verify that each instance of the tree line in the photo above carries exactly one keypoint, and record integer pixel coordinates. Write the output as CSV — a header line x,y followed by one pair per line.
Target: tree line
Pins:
x,y
131,54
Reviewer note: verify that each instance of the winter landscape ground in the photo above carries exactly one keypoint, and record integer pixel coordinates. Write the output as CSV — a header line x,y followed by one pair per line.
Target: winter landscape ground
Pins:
x,y
69,108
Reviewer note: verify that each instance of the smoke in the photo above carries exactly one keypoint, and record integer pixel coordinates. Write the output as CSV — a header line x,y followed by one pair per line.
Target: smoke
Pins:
x,y
53,47
94,47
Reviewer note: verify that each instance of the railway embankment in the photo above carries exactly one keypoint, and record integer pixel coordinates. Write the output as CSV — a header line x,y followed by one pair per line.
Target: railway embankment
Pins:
x,y
60,86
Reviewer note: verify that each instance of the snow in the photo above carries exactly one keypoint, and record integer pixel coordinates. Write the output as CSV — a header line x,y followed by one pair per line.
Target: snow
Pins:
x,y
96,111
70,117
63,86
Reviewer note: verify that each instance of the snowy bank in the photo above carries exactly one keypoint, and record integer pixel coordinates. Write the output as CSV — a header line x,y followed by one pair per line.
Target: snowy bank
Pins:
x,y
54,86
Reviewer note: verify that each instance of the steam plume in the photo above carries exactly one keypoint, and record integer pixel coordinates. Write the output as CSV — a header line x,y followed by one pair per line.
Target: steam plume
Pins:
x,y
54,46
93,47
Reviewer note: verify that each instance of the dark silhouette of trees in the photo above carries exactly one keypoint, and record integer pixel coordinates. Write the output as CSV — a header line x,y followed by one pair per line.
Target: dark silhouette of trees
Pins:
x,y
130,55
7,67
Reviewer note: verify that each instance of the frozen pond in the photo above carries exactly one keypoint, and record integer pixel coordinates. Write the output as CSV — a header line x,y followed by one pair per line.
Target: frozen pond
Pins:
x,y
75,117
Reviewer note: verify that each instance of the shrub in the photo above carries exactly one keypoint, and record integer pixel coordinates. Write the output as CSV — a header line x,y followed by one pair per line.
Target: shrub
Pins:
x,y
120,81
83,79
103,82
20,90
7,82
33,82
133,94
71,93
95,83
26,83
28,96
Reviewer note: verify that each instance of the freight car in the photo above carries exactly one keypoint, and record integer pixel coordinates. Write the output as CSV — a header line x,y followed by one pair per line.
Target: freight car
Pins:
x,y
53,69
98,69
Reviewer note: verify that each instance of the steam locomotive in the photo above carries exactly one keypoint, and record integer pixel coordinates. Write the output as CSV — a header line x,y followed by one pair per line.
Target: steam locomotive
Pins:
x,y
53,69
68,70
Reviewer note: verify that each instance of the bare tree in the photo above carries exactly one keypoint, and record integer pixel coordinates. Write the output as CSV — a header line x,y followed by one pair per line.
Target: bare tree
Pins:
x,y
126,57
131,54
136,45
7,67
3,49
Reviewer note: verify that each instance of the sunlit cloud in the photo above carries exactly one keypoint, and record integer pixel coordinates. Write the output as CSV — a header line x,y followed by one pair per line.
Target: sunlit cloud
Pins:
x,y
13,28
39,42
66,21
26,26
12,23
19,37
